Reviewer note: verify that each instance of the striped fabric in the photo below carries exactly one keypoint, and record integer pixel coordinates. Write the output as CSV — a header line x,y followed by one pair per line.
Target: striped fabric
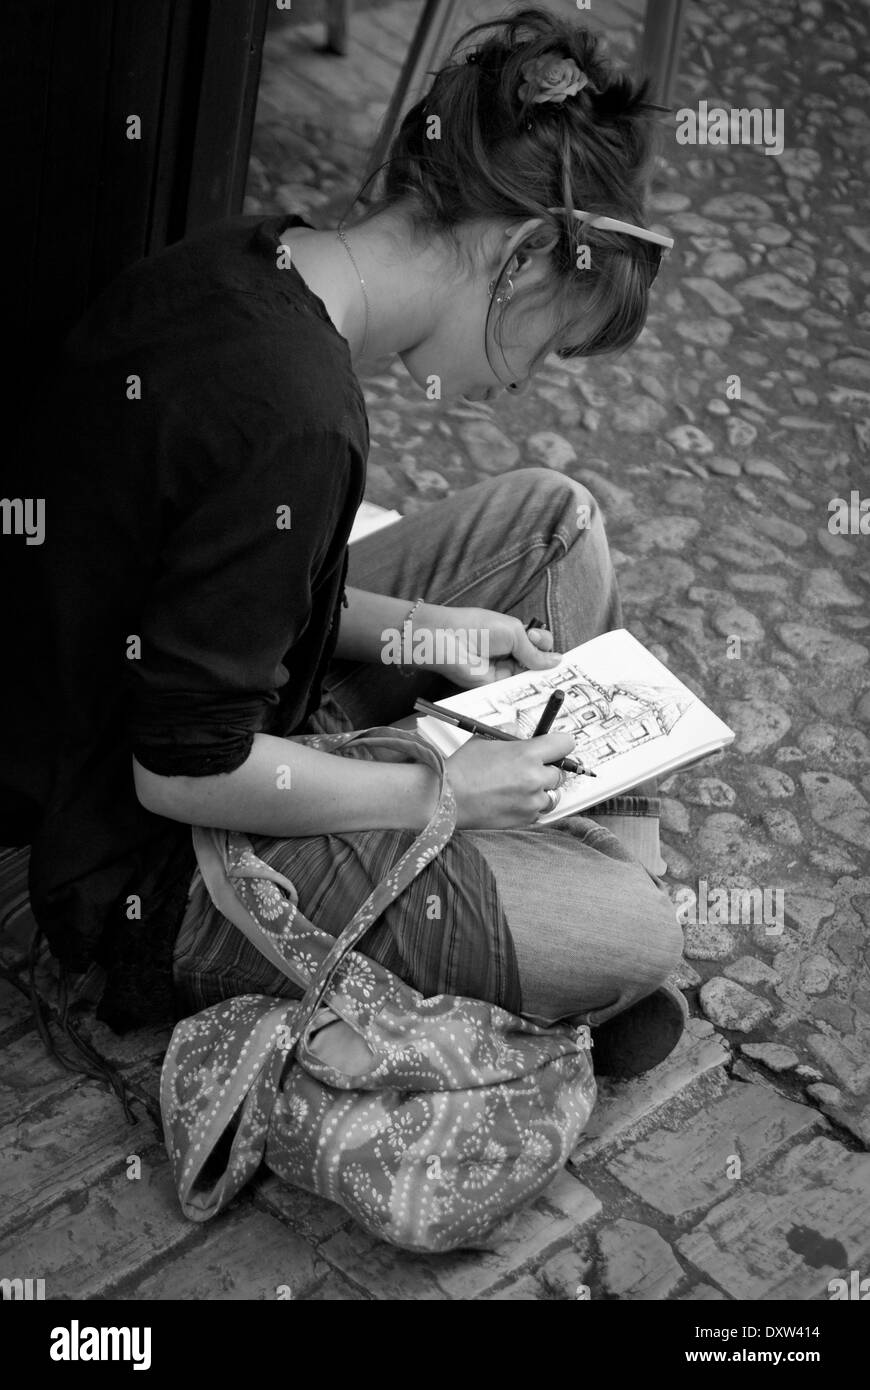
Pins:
x,y
446,934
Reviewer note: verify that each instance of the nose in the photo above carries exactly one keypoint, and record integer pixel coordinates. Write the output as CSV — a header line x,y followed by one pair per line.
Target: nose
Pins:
x,y
517,388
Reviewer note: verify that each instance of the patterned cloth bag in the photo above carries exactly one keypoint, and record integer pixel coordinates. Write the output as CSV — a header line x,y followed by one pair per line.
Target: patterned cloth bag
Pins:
x,y
430,1120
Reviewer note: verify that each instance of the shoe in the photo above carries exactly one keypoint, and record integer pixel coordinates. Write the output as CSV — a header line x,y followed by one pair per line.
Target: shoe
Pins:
x,y
640,1037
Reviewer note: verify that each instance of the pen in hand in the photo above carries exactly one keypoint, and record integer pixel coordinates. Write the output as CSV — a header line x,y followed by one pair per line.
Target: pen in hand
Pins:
x,y
473,726
551,709
544,724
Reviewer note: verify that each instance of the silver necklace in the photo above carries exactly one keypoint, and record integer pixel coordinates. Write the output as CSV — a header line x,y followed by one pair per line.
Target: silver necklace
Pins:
x,y
343,241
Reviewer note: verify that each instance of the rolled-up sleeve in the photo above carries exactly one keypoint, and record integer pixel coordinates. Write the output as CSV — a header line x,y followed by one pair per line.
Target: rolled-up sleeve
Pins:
x,y
231,596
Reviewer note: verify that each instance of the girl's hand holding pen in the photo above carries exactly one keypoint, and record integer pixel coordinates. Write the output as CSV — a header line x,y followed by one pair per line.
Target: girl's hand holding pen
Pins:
x,y
501,785
482,730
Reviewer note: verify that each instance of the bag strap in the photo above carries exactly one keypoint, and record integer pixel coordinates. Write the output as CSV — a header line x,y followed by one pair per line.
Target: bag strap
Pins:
x,y
212,856
425,848
211,849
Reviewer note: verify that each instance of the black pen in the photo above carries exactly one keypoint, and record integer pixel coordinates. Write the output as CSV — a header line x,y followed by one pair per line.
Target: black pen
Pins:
x,y
473,726
551,709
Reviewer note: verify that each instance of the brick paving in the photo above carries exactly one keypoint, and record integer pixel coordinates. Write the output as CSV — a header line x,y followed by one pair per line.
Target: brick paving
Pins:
x,y
739,1167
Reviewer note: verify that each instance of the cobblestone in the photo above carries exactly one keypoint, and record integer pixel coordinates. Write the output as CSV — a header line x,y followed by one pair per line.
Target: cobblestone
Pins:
x,y
729,1005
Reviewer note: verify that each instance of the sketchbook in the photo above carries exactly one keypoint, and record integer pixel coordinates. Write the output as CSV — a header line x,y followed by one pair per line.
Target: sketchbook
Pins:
x,y
630,718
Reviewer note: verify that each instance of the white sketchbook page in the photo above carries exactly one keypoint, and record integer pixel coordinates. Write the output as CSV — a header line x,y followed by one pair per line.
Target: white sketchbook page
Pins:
x,y
630,717
370,517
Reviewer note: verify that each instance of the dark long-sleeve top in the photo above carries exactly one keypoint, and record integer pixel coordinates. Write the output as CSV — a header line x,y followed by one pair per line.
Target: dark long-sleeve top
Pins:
x,y
202,459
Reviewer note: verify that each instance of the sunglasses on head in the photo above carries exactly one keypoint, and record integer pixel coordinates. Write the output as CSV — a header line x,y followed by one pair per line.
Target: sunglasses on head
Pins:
x,y
657,246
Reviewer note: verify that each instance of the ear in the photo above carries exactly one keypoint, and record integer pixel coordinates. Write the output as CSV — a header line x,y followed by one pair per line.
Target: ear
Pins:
x,y
532,243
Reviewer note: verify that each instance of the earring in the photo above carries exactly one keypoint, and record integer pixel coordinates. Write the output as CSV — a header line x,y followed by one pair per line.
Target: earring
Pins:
x,y
503,296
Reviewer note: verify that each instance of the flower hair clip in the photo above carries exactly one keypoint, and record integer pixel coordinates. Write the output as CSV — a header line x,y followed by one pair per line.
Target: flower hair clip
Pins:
x,y
552,79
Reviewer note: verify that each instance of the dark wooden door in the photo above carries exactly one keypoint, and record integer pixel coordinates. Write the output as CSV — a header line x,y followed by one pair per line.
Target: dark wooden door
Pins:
x,y
82,202
86,197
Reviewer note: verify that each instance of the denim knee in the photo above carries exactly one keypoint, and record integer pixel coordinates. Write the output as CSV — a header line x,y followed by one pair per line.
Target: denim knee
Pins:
x,y
646,939
663,935
558,504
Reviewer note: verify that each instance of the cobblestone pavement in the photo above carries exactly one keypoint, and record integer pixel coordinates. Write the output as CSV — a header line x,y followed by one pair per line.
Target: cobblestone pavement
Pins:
x,y
737,1169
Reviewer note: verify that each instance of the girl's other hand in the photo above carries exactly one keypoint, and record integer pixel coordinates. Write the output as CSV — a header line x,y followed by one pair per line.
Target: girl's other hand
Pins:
x,y
480,646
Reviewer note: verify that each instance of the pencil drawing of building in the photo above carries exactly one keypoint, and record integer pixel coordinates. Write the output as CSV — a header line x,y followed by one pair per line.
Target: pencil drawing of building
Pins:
x,y
605,720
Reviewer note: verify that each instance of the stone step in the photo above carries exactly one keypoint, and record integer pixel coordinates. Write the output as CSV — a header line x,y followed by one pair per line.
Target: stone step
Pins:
x,y
245,1255
785,1234
94,1239
686,1168
61,1147
387,1273
624,1107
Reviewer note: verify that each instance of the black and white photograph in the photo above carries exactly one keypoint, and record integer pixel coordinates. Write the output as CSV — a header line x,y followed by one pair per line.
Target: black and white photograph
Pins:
x,y
435,770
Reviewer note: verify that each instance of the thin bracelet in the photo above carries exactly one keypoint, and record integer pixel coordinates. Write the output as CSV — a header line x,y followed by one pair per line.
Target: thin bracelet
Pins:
x,y
408,674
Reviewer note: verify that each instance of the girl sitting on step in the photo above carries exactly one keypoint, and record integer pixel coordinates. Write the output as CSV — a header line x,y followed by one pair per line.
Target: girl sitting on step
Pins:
x,y
509,226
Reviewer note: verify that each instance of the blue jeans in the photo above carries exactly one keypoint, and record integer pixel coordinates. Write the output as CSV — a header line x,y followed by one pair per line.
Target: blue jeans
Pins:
x,y
592,927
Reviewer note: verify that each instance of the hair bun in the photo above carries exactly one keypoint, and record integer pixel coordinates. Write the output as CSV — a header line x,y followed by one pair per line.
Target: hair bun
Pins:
x,y
544,121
